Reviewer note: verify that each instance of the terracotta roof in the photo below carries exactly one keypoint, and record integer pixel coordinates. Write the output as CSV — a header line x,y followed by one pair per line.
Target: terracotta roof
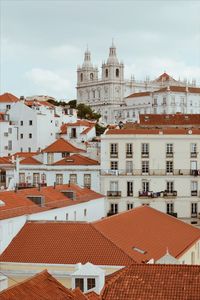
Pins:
x,y
145,233
7,97
159,282
25,154
168,131
169,119
164,77
63,243
76,159
141,94
39,287
30,161
18,203
38,103
180,89
92,296
62,145
5,160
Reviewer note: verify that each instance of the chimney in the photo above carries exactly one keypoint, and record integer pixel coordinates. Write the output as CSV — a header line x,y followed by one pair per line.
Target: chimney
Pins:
x,y
3,282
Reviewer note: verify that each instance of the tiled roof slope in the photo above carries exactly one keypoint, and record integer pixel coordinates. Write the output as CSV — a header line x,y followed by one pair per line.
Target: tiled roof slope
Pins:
x,y
7,98
164,77
62,145
159,282
63,243
180,89
150,231
140,94
169,119
17,203
39,287
30,161
168,131
76,159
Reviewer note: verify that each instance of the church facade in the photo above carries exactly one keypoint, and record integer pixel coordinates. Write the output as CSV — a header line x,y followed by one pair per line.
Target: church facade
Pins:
x,y
107,94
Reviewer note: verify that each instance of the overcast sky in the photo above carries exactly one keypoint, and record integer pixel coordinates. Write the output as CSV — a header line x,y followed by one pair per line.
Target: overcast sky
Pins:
x,y
43,41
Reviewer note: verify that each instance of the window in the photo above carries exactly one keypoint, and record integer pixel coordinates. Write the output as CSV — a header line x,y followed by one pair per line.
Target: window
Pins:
x,y
87,181
73,133
169,150
194,209
114,165
129,166
113,150
169,167
129,150
90,283
91,76
130,206
8,106
21,123
55,218
36,178
81,76
74,215
194,188
50,158
29,149
59,178
9,145
145,150
145,166
193,150
170,186
155,101
85,212
30,135
79,283
30,122
93,93
114,208
21,136
164,101
170,208
145,186
67,217
114,186
21,177
65,154
10,130
73,178
117,72
129,188
106,72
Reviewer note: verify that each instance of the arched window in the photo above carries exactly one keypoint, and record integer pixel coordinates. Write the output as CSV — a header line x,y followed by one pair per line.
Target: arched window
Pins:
x,y
117,72
81,76
106,72
91,76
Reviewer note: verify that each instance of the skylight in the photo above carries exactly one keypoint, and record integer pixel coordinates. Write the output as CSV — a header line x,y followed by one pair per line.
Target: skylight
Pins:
x,y
139,250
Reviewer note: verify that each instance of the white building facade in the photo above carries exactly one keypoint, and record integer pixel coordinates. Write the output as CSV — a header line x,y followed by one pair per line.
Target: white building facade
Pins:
x,y
156,167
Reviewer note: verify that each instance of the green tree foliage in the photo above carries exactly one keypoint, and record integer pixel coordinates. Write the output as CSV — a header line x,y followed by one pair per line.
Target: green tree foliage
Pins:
x,y
85,112
99,129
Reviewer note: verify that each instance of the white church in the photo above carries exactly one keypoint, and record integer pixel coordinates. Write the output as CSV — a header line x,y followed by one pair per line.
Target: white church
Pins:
x,y
118,99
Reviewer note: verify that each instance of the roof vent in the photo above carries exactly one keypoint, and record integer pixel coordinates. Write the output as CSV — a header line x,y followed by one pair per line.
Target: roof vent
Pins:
x,y
2,203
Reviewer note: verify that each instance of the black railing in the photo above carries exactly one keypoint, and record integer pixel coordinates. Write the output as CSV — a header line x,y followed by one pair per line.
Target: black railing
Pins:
x,y
114,193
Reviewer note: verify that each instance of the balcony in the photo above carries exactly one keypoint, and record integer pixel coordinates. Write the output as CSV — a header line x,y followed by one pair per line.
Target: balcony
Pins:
x,y
145,154
194,215
129,154
151,172
193,154
169,154
25,185
193,193
173,214
114,154
169,194
149,194
114,194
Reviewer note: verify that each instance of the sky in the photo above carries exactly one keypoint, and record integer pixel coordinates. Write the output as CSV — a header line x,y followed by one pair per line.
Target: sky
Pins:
x,y
43,41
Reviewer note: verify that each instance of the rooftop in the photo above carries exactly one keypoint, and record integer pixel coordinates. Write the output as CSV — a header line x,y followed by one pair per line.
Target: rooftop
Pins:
x,y
146,281
169,119
137,130
7,98
60,146
76,159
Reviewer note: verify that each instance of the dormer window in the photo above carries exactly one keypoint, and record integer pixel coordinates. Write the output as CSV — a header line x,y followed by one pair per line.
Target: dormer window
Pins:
x,y
117,72
91,283
79,282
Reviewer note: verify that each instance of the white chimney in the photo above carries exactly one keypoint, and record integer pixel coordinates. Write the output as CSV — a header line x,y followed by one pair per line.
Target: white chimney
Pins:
x,y
3,282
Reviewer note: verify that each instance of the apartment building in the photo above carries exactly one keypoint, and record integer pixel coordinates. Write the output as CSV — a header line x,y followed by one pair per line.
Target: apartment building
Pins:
x,y
152,166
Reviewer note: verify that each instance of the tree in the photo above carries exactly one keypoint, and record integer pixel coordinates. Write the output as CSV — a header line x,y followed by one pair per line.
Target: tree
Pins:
x,y
85,112
99,129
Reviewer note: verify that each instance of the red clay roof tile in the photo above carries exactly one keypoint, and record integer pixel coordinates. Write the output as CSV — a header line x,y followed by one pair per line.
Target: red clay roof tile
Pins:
x,y
76,159
7,97
62,145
